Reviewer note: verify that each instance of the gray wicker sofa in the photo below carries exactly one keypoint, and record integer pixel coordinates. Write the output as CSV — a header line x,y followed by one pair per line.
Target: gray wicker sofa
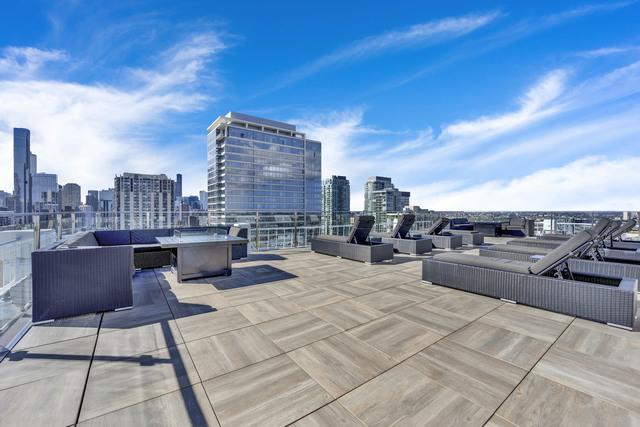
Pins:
x,y
519,227
596,292
356,245
401,240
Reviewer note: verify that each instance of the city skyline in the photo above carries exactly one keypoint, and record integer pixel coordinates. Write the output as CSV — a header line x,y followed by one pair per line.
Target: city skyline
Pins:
x,y
471,107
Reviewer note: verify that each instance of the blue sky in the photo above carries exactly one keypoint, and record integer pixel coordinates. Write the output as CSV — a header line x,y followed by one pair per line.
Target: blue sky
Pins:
x,y
469,105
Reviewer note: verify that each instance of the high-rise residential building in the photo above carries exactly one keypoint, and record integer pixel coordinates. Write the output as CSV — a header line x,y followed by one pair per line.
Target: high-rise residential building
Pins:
x,y
105,200
381,197
44,192
178,187
263,166
144,201
5,200
92,199
336,203
22,170
71,197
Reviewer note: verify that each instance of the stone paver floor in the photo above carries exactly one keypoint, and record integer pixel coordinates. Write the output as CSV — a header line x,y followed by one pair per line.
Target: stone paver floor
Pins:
x,y
297,337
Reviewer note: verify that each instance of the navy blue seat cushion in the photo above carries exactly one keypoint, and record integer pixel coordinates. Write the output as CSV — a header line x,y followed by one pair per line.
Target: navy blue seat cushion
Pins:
x,y
113,237
146,237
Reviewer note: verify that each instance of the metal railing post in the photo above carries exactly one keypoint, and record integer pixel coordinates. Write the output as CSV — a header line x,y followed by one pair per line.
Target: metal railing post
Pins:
x,y
257,231
295,230
59,227
36,231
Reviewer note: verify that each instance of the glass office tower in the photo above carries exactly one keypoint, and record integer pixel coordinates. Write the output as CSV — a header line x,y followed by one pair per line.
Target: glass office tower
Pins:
x,y
22,170
261,166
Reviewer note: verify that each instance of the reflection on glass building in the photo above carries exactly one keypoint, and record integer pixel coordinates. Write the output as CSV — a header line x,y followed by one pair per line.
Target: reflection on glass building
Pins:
x,y
262,166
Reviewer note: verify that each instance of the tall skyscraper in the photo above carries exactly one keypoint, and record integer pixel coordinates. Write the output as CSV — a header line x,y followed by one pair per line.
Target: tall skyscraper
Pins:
x,y
261,165
336,203
178,187
92,200
105,200
44,192
144,201
22,170
71,197
203,199
381,197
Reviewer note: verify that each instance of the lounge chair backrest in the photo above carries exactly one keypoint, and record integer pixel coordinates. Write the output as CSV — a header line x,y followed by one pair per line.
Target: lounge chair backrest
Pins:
x,y
405,222
624,228
600,227
437,226
562,252
361,229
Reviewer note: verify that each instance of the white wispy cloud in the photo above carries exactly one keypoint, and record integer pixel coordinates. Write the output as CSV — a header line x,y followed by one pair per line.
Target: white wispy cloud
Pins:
x,y
415,35
607,51
590,183
533,106
24,62
88,132
556,118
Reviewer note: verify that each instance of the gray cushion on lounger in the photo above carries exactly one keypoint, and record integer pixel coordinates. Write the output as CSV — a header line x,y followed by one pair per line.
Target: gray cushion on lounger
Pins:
x,y
437,226
556,255
485,262
624,228
405,222
529,250
344,239
600,226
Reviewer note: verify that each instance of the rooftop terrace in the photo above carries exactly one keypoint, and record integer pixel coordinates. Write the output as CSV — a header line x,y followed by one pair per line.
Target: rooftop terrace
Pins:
x,y
297,337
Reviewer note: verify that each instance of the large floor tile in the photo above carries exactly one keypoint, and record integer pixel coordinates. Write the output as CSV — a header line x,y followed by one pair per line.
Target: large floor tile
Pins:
x,y
289,286
208,324
315,298
133,341
229,351
268,309
297,330
469,306
385,301
23,366
617,384
341,363
539,401
602,342
187,406
352,289
274,392
416,291
525,321
520,350
437,320
247,295
137,316
185,307
60,330
332,415
403,396
347,314
52,401
120,383
397,337
480,378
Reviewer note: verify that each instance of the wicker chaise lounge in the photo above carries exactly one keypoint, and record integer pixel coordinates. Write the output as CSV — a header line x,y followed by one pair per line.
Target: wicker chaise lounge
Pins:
x,y
533,253
442,241
601,292
402,241
610,226
355,246
616,241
